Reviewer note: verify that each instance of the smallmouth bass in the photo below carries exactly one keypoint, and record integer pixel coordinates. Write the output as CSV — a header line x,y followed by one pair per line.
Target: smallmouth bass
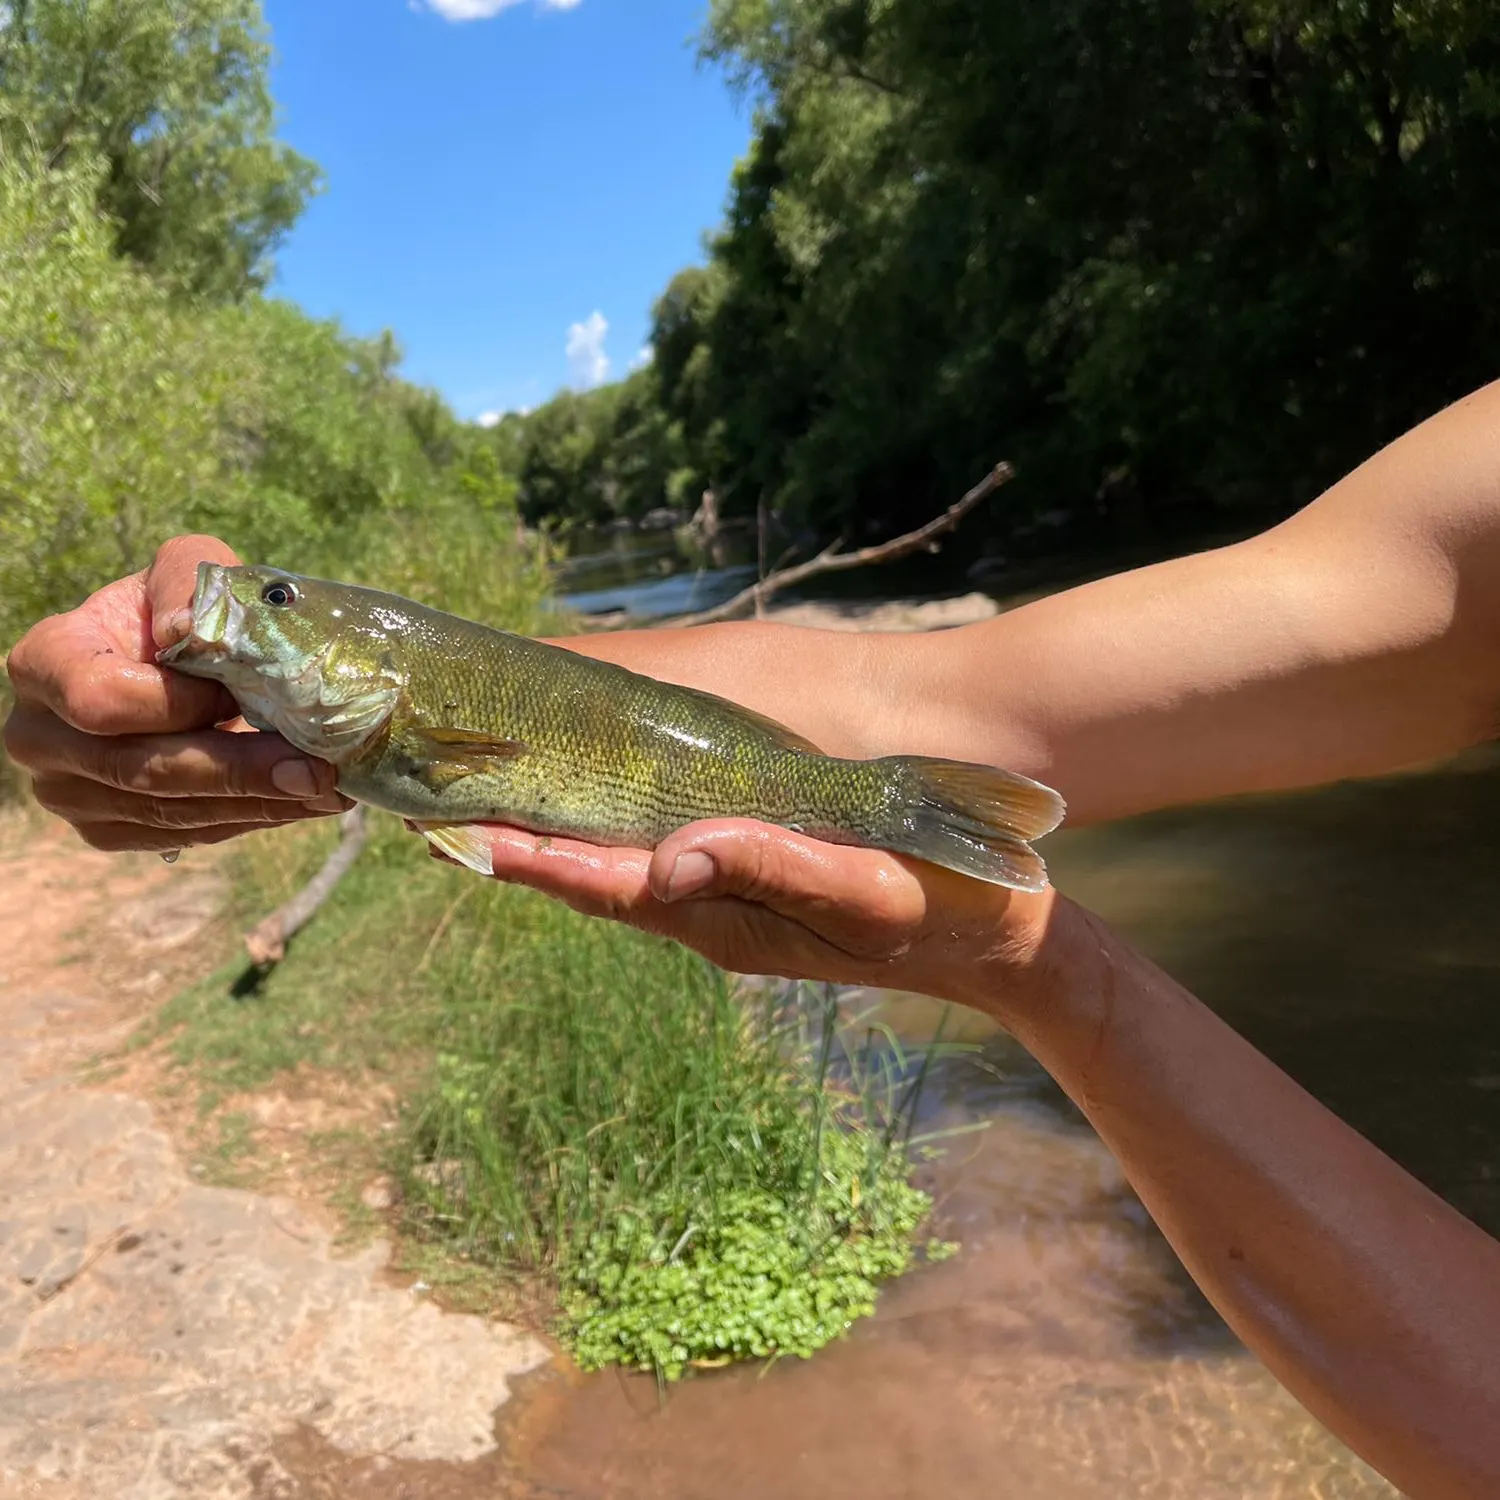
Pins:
x,y
450,723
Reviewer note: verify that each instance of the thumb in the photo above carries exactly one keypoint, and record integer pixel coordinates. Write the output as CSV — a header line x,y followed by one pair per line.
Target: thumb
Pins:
x,y
866,902
171,580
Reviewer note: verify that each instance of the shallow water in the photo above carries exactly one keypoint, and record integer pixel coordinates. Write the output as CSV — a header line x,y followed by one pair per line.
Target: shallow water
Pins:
x,y
648,575
651,575
1064,1355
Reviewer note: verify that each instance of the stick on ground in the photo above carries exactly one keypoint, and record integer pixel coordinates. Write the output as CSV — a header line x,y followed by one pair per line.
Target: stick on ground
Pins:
x,y
267,940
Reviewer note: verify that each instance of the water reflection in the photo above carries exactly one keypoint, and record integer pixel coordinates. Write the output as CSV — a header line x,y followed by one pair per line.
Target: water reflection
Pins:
x,y
1350,934
651,575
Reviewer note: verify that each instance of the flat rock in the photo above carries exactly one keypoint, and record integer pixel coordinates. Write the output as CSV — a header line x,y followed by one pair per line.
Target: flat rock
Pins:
x,y
159,1337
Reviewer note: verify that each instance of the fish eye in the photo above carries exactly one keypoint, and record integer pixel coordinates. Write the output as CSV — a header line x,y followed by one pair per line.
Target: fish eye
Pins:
x,y
279,593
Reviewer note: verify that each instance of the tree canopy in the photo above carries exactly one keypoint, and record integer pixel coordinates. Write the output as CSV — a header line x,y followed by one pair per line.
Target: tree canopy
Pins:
x,y
172,96
1177,258
147,386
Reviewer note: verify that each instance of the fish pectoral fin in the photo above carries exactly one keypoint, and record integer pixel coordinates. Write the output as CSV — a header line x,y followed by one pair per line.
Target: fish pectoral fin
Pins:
x,y
444,756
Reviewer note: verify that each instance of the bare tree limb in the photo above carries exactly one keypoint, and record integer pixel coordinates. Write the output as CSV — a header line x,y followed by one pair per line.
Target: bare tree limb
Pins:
x,y
267,941
834,559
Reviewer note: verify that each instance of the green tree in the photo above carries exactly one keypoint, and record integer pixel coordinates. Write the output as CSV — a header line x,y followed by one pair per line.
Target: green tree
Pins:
x,y
110,398
1179,258
128,414
173,96
1191,247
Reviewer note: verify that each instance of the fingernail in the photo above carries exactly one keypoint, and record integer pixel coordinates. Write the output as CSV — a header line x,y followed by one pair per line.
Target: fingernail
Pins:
x,y
295,778
169,629
692,873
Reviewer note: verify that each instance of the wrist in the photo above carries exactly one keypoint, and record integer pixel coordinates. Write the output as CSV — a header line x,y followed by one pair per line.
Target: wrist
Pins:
x,y
1051,977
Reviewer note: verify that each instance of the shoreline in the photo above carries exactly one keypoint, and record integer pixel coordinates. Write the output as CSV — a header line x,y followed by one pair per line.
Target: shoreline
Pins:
x,y
898,613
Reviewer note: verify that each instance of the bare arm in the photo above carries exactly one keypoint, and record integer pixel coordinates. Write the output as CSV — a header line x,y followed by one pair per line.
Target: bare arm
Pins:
x,y
1361,636
1375,1303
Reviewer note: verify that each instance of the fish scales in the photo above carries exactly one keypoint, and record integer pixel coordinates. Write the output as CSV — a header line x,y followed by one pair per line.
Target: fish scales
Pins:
x,y
451,723
607,751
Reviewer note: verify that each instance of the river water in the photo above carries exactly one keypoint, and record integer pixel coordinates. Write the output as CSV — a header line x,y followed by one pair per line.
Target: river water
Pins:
x,y
1063,1354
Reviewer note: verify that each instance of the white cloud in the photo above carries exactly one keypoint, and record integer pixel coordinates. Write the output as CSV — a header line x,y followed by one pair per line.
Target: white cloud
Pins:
x,y
482,10
644,358
586,357
495,418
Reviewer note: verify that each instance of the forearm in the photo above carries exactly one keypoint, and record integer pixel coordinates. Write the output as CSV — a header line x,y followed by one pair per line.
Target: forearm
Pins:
x,y
1376,1304
1360,637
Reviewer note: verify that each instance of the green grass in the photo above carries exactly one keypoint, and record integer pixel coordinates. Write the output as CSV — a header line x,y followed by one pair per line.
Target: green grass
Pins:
x,y
597,1120
685,1172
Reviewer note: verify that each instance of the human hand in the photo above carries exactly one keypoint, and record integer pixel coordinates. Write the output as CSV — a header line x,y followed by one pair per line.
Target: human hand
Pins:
x,y
757,899
127,752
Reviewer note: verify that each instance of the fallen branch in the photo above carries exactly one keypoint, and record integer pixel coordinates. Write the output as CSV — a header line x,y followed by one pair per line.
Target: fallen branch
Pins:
x,y
267,941
834,559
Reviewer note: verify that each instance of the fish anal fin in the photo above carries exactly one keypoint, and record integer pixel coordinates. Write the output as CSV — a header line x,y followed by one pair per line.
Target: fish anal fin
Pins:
x,y
463,843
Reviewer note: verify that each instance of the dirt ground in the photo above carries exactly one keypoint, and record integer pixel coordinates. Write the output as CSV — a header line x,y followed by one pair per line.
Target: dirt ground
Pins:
x,y
161,1337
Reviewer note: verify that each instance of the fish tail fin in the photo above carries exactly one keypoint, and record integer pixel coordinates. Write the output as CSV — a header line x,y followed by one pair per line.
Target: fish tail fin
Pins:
x,y
976,820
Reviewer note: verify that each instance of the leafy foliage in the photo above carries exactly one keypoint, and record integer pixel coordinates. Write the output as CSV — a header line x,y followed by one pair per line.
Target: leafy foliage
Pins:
x,y
593,456
764,1277
172,97
128,414
1182,260
580,1097
111,397
700,1184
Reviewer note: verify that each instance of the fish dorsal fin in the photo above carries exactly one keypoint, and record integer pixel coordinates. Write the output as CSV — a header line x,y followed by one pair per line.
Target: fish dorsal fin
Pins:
x,y
788,739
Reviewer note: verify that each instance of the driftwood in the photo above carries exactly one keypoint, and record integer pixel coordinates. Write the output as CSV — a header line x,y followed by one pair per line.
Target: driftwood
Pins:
x,y
267,941
834,559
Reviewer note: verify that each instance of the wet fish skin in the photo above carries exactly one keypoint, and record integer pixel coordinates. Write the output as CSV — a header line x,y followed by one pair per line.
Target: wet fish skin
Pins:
x,y
451,723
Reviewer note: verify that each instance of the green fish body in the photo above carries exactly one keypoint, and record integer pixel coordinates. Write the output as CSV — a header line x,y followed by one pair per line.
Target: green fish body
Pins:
x,y
450,723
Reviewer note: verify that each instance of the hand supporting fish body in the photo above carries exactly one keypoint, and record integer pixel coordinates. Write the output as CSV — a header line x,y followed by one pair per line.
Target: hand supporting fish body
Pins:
x,y
450,723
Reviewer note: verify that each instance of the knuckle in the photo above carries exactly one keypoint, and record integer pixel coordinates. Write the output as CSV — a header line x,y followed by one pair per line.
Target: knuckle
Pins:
x,y
758,871
613,906
21,663
115,764
173,815
234,776
134,767
20,736
889,908
78,700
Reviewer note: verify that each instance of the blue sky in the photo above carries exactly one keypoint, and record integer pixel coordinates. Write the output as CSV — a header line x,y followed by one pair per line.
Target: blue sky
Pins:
x,y
500,189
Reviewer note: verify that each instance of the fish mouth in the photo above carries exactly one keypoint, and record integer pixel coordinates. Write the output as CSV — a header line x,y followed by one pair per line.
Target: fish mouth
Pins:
x,y
217,617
